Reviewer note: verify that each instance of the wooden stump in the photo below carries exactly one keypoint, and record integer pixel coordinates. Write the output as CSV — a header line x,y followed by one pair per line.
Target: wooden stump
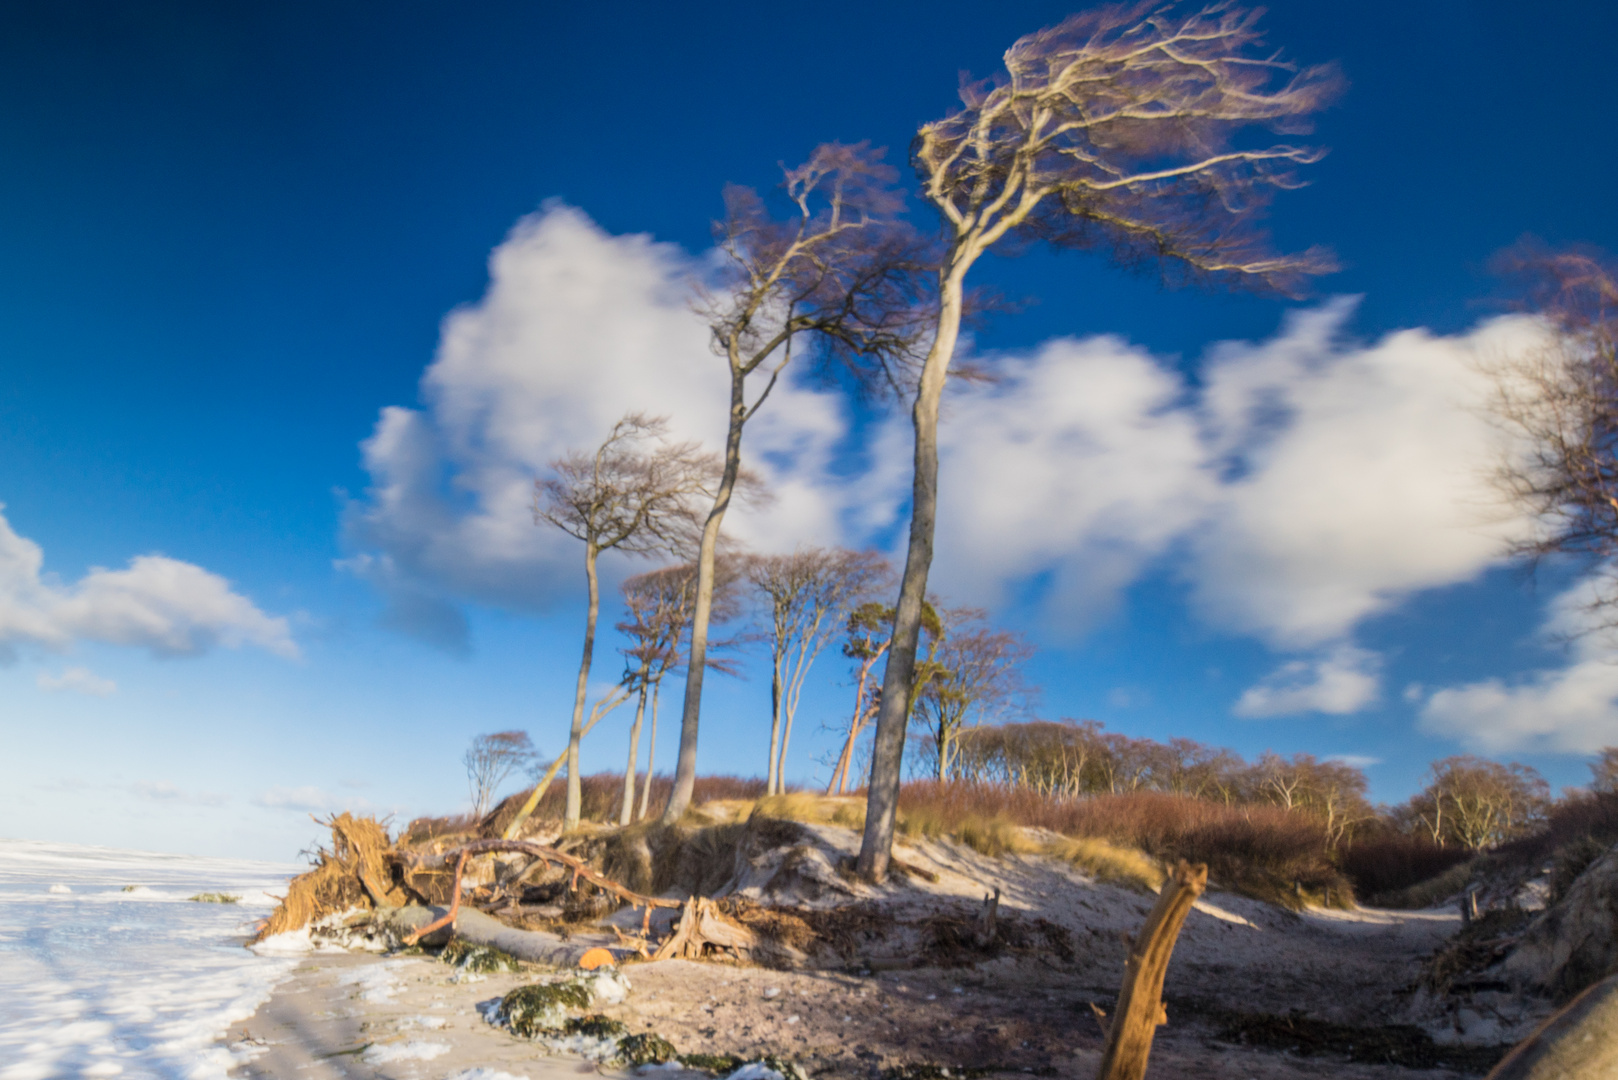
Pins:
x,y
1140,1002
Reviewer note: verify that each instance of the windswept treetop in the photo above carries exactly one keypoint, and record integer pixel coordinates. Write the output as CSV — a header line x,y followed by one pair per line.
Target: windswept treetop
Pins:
x,y
843,266
1114,131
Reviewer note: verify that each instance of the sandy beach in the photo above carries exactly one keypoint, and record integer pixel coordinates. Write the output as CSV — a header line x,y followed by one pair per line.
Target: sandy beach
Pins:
x,y
1025,1012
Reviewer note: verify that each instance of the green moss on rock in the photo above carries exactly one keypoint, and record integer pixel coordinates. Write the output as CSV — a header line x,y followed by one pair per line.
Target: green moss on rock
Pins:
x,y
646,1048
477,959
541,1008
595,1026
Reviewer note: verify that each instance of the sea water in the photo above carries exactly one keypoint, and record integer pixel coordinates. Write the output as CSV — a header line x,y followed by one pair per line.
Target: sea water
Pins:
x,y
107,968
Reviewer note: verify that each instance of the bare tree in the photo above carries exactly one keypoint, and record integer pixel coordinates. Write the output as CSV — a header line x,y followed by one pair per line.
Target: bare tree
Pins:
x,y
976,676
490,760
1560,404
659,605
868,631
807,595
1604,771
1111,132
842,273
636,494
1479,803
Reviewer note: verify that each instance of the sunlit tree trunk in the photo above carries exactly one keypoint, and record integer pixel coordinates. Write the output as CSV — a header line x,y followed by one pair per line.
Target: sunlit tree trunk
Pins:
x,y
651,754
685,766
575,800
887,754
626,813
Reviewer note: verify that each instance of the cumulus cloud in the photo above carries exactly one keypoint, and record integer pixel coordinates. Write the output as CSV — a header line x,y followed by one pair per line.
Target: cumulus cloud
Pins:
x,y
1304,484
1572,709
1354,475
576,328
1082,463
78,680
169,607
1344,680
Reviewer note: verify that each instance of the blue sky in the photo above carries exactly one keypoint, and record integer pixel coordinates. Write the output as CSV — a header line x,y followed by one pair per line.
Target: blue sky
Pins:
x,y
230,239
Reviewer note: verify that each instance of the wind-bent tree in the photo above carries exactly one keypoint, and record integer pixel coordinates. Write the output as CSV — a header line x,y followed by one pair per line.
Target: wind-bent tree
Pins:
x,y
1111,132
842,274
636,494
976,675
807,595
660,605
1560,402
490,759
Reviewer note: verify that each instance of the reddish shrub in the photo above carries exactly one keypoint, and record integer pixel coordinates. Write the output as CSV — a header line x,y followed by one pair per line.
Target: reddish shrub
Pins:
x,y
1264,851
1388,861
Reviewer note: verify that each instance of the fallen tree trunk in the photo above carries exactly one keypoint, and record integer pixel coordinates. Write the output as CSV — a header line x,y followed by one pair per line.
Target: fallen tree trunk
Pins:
x,y
1140,1002
473,926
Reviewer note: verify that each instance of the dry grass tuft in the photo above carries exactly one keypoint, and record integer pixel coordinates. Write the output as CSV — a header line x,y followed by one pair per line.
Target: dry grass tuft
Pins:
x,y
1106,861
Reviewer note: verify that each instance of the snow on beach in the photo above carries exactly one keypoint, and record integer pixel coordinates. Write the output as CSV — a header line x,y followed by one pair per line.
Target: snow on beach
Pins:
x,y
107,970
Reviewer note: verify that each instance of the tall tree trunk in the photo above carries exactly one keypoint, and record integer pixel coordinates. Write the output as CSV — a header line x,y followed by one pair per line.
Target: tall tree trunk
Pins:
x,y
651,753
685,767
575,799
626,814
887,756
775,728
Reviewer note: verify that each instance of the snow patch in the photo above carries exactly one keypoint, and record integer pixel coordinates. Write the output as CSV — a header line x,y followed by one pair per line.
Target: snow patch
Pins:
x,y
383,1053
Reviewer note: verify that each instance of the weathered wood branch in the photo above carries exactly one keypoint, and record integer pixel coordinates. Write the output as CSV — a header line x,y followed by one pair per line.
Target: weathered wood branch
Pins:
x,y
548,855
1140,1002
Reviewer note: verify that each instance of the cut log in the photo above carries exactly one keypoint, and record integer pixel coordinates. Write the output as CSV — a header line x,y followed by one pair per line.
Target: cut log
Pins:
x,y
1140,1003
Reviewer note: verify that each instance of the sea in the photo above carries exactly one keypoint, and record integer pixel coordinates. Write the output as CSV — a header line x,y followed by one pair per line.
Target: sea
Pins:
x,y
109,968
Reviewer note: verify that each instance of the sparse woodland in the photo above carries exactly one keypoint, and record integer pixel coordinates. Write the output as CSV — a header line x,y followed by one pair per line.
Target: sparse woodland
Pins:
x,y
1127,132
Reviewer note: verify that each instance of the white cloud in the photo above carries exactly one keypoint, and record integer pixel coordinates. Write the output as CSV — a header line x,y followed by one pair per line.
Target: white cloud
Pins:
x,y
1308,483
1573,709
164,791
307,798
170,607
79,680
1344,680
1081,462
576,328
1357,475
1354,761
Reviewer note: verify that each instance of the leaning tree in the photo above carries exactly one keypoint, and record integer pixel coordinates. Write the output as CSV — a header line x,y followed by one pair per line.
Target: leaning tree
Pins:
x,y
842,273
635,494
1113,132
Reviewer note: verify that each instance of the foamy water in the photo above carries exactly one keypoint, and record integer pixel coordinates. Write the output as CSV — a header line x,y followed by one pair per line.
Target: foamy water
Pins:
x,y
106,969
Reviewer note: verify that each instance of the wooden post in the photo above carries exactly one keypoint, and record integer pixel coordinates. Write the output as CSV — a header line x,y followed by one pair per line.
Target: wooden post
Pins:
x,y
1140,1002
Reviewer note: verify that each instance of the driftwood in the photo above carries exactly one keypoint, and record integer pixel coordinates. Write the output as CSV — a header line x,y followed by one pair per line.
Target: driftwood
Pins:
x,y
702,924
1140,1002
545,854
